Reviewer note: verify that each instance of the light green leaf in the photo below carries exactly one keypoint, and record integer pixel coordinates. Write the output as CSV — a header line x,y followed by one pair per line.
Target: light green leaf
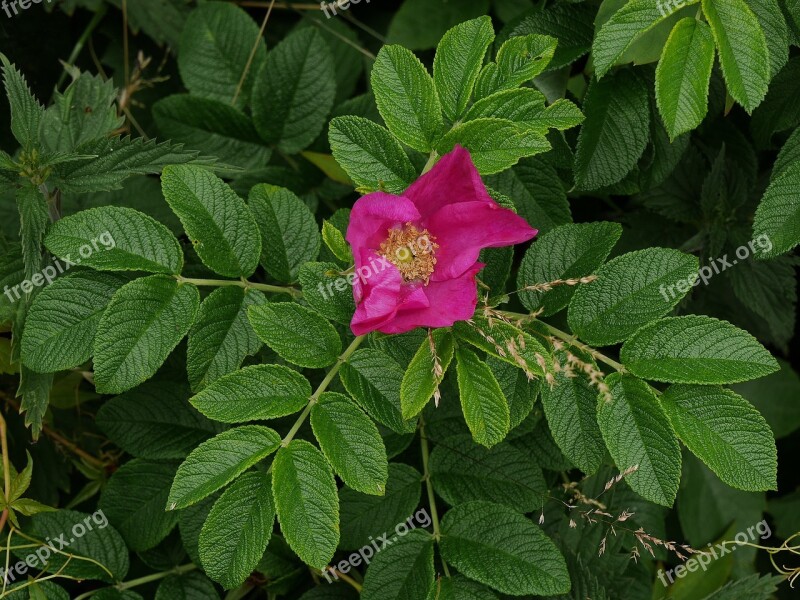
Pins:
x,y
683,76
631,290
216,462
406,98
298,334
306,502
638,434
371,156
351,443
532,564
334,240
402,571
294,91
484,405
425,372
742,48
255,393
521,58
115,238
778,215
458,61
26,112
63,318
725,432
289,233
237,530
222,229
128,350
221,336
696,349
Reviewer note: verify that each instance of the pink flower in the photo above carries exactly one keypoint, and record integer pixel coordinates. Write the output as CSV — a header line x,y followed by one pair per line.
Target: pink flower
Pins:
x,y
416,255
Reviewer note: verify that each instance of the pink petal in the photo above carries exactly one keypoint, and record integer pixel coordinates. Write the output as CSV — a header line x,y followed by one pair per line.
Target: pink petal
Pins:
x,y
452,180
463,229
374,214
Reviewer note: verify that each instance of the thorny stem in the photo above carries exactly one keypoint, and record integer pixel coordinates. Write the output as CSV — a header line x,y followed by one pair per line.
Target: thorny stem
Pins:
x,y
243,283
426,475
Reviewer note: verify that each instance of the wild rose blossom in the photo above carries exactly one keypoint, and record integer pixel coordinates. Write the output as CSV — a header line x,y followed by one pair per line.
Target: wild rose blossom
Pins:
x,y
430,237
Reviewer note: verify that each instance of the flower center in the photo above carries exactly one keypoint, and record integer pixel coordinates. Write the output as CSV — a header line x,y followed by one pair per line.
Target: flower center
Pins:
x,y
411,251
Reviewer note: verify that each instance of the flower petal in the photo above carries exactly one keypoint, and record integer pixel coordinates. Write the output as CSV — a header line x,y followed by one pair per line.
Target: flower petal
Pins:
x,y
374,214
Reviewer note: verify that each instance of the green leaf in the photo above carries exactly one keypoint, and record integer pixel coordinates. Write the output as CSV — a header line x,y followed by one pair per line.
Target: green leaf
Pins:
x,y
526,106
34,219
289,233
696,349
255,393
221,336
462,471
222,229
403,570
26,112
754,587
773,396
419,24
406,98
218,461
306,501
133,501
327,292
115,238
683,76
638,434
567,252
334,240
215,48
237,530
155,421
631,290
458,61
521,58
351,443
520,392
778,215
421,381
188,586
213,127
294,91
725,432
618,33
484,405
742,48
34,389
532,564
371,156
373,379
298,334
616,130
127,350
776,32
63,318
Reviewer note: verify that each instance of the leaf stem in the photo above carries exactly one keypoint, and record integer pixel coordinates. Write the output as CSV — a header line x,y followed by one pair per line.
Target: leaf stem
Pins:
x,y
426,475
6,470
431,161
142,580
243,283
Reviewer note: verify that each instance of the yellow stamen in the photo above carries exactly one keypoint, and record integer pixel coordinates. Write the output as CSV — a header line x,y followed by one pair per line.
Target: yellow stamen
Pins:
x,y
411,251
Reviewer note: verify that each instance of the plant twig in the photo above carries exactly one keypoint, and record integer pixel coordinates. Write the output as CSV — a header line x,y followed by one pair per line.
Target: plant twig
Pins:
x,y
426,475
252,56
243,283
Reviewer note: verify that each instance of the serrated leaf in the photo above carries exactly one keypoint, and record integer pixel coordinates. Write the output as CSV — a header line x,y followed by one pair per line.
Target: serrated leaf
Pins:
x,y
26,112
742,49
403,570
133,501
776,31
319,282
616,130
216,462
520,392
289,233
773,396
531,564
571,24
777,218
631,290
521,58
298,334
63,318
222,229
188,586
294,91
34,218
334,240
371,156
420,381
696,349
484,405
237,530
351,443
406,98
128,350
461,588
215,47
638,434
115,238
725,432
458,61
306,501
567,252
221,336
683,76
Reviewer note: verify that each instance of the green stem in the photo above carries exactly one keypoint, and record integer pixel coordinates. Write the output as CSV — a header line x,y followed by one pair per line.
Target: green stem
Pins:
x,y
431,161
98,16
426,475
242,283
125,585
